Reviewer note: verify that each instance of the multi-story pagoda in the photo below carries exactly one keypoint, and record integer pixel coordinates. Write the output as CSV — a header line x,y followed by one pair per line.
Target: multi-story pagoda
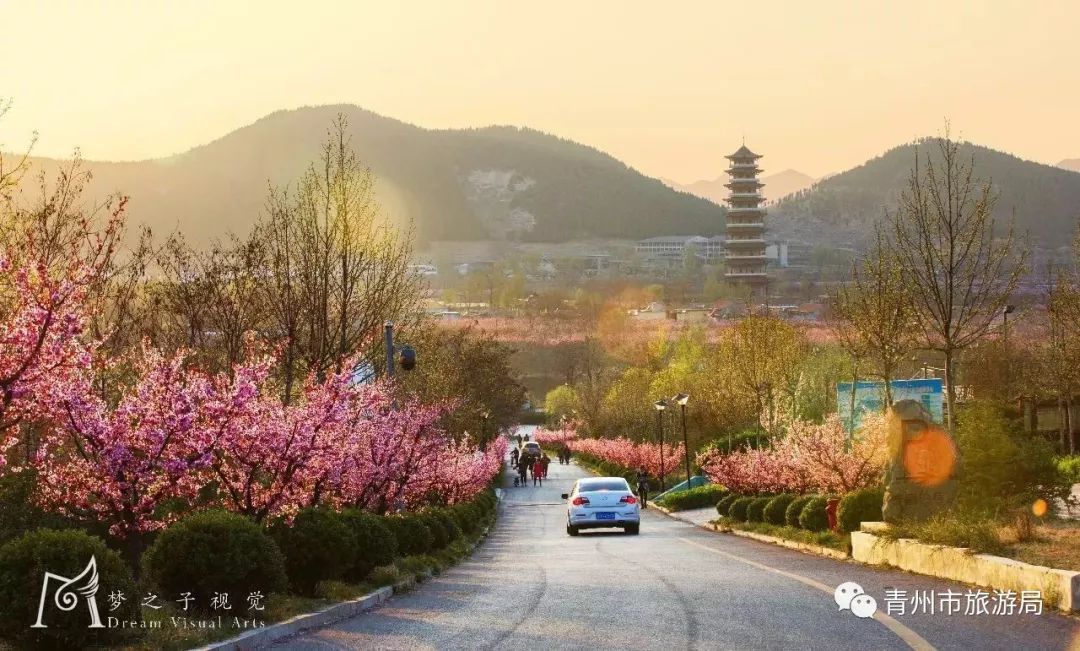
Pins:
x,y
744,247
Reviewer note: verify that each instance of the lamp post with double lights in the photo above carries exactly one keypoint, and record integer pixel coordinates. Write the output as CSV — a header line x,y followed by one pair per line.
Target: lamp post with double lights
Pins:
x,y
1009,309
660,406
681,400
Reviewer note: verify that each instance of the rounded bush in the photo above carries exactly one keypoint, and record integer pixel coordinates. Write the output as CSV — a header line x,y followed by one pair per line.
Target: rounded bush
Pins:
x,y
23,564
318,546
466,516
448,523
794,510
375,542
813,516
755,512
737,510
19,513
412,534
776,509
215,551
725,503
439,539
860,506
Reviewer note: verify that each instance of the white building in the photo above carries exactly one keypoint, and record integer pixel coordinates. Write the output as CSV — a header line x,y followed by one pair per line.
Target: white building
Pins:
x,y
673,247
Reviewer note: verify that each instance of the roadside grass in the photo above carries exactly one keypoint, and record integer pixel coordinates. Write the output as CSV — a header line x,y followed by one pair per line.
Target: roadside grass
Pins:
x,y
830,539
1056,544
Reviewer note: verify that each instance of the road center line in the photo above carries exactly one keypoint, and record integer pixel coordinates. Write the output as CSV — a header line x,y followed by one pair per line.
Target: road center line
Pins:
x,y
910,637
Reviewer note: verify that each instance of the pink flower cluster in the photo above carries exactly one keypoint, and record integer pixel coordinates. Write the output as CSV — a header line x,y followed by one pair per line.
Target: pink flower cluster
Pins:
x,y
177,431
176,438
632,455
810,458
554,437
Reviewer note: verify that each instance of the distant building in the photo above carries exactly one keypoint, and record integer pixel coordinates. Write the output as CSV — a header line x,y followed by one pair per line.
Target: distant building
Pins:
x,y
673,248
777,253
424,269
747,261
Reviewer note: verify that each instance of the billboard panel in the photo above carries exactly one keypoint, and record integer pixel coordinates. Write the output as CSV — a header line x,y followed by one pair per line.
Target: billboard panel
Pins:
x,y
870,397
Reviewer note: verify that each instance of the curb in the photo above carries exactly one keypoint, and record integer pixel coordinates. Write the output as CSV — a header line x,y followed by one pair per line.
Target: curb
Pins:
x,y
302,623
960,564
330,615
760,537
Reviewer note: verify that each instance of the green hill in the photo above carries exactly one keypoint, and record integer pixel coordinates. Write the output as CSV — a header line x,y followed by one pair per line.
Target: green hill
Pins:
x,y
489,183
1044,199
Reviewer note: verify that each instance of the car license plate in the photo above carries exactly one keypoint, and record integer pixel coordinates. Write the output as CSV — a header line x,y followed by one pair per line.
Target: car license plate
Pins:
x,y
605,515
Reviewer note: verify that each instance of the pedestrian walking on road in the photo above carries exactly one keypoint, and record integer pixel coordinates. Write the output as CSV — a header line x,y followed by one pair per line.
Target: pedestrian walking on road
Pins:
x,y
545,461
643,487
523,468
514,457
538,472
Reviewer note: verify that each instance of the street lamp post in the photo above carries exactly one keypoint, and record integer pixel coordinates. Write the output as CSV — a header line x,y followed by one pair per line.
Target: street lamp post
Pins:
x,y
1009,309
484,415
681,400
660,406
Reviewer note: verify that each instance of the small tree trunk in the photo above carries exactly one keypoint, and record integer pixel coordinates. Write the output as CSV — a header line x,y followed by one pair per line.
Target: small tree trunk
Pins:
x,y
950,393
1062,416
1068,421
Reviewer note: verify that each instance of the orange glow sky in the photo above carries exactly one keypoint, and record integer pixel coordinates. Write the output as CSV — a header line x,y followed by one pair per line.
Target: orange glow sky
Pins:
x,y
668,87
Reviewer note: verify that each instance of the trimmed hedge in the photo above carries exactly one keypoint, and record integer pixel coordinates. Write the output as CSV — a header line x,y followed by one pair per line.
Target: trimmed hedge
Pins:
x,y
860,506
318,546
794,510
695,498
725,503
23,563
813,516
737,510
776,510
211,552
412,534
755,512
439,539
375,543
448,523
468,516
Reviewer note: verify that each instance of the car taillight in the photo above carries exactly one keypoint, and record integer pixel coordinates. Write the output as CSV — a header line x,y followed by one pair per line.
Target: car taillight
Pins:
x,y
628,499
579,500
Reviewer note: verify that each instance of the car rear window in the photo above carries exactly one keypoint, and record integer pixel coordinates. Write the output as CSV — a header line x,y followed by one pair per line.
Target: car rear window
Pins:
x,y
602,485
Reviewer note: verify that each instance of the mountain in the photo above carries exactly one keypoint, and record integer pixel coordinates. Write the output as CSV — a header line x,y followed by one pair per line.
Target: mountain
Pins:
x,y
841,209
777,186
489,183
1071,164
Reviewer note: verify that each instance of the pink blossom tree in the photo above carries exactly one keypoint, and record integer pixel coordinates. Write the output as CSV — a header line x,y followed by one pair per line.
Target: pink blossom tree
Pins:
x,y
120,465
811,457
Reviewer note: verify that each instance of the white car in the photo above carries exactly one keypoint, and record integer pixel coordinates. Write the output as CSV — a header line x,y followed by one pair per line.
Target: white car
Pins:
x,y
602,502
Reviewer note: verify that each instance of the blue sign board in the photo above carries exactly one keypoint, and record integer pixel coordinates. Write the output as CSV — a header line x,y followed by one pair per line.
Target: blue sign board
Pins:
x,y
870,397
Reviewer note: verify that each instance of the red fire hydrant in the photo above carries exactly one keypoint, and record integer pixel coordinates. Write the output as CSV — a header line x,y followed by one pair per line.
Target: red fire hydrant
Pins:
x,y
830,510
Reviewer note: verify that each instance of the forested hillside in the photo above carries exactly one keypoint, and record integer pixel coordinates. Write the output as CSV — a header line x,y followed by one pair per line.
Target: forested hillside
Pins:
x,y
495,182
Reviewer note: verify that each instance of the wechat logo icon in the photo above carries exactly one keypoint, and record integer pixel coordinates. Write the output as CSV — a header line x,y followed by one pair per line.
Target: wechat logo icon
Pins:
x,y
851,596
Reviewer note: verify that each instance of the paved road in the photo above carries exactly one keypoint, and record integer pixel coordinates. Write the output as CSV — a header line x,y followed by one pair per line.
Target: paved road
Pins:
x,y
675,586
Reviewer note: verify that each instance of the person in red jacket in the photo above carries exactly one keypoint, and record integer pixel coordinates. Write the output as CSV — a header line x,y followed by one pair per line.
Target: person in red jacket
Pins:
x,y
538,471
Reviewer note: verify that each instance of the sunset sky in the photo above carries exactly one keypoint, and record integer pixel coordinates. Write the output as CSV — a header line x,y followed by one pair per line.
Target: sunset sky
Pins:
x,y
668,87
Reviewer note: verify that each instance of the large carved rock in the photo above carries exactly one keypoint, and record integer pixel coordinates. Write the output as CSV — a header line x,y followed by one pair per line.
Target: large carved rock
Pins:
x,y
919,478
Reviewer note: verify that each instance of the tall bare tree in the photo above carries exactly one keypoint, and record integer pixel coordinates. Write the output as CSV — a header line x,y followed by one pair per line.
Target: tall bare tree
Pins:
x,y
960,272
875,313
336,270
